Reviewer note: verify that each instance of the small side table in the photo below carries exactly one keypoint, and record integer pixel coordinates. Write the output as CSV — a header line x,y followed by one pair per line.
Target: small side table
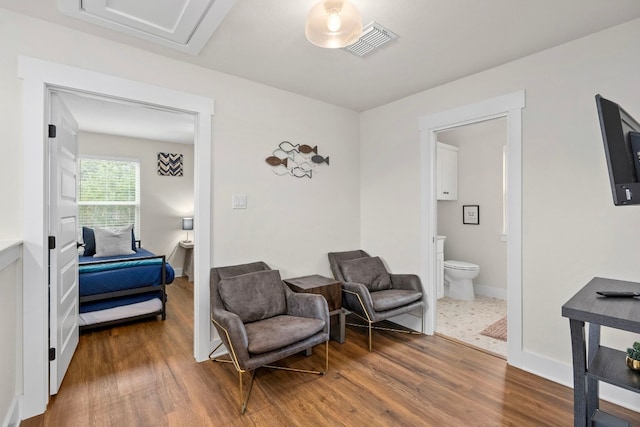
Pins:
x,y
187,267
331,290
593,362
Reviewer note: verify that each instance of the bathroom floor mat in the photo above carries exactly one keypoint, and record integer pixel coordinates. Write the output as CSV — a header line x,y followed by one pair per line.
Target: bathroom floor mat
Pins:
x,y
497,330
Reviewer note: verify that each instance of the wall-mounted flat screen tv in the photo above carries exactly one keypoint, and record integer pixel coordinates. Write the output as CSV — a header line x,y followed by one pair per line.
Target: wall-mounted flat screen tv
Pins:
x,y
621,137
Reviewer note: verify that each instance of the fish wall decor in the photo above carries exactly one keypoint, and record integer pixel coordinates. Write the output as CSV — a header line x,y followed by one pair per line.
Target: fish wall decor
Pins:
x,y
297,160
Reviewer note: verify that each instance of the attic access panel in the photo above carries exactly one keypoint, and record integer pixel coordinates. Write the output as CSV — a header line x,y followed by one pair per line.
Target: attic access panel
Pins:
x,y
184,25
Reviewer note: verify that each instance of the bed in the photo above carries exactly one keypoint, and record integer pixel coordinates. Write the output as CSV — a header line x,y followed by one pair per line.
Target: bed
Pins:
x,y
121,288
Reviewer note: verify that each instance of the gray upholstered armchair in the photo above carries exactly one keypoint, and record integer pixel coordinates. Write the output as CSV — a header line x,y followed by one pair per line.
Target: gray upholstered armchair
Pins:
x,y
372,293
260,320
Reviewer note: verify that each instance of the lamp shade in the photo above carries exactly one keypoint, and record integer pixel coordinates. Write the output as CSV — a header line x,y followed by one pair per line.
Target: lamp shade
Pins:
x,y
187,223
333,24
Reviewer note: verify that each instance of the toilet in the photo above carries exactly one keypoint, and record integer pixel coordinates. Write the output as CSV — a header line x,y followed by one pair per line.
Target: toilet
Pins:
x,y
459,276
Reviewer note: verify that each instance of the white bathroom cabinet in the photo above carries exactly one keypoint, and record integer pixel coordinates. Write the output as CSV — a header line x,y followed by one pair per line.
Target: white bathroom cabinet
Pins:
x,y
447,172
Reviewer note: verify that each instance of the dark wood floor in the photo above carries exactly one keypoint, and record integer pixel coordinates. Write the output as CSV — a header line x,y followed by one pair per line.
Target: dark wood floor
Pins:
x,y
144,374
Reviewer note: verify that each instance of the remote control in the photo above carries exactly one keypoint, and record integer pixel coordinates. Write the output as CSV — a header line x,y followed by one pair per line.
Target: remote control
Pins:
x,y
618,294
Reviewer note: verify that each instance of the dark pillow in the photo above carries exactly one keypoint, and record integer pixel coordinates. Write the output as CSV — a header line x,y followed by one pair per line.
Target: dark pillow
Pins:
x,y
369,271
254,296
89,239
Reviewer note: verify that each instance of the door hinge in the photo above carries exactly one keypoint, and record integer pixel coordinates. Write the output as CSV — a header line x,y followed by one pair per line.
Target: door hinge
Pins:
x,y
52,354
52,242
52,131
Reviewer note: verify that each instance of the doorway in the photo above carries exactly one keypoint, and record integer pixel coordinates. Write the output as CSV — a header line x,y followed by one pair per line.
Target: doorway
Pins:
x,y
474,312
38,78
118,144
508,106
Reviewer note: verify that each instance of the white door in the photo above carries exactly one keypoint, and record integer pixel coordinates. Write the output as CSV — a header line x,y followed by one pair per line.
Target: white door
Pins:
x,y
63,254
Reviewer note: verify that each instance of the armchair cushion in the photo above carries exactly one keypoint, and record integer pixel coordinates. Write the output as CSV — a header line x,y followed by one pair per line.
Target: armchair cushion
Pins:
x,y
254,296
369,271
280,331
393,298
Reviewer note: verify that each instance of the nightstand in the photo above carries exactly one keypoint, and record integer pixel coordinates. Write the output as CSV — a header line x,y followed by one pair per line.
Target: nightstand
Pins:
x,y
331,290
187,267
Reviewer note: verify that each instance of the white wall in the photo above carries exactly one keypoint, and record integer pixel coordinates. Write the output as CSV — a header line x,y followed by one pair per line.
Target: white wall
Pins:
x,y
480,182
571,230
290,223
10,331
164,200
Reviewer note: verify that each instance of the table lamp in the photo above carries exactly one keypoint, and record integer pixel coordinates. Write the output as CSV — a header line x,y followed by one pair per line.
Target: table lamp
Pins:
x,y
187,224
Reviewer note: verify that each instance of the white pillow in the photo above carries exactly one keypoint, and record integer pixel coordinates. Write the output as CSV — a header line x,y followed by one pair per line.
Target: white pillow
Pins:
x,y
113,242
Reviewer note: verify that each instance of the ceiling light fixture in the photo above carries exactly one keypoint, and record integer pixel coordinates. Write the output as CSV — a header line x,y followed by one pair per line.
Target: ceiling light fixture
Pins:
x,y
333,24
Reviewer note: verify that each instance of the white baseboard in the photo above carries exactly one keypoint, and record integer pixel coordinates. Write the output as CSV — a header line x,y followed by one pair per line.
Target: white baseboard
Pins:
x,y
12,418
490,291
408,320
178,271
563,374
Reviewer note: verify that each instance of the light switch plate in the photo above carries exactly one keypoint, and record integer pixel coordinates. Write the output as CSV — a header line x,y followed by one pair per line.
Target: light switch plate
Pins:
x,y
239,201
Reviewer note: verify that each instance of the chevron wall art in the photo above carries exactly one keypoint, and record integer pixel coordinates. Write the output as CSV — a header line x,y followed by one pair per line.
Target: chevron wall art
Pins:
x,y
169,164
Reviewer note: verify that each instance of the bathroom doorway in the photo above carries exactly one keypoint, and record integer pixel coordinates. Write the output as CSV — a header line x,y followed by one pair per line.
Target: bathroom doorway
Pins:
x,y
509,106
471,229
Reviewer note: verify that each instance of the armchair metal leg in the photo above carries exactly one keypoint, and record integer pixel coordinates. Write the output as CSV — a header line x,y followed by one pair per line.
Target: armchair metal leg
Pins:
x,y
326,356
370,323
244,401
244,398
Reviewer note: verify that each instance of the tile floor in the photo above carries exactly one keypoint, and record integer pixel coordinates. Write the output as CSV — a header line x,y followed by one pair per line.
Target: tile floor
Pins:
x,y
464,320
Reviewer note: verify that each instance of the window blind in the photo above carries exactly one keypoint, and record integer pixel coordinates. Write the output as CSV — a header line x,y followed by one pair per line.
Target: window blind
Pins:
x,y
109,193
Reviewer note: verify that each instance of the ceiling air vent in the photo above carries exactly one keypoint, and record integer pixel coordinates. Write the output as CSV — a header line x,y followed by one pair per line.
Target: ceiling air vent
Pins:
x,y
373,36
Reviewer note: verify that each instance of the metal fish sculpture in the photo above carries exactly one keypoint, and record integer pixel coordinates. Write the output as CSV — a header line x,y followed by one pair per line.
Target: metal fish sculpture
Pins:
x,y
318,159
298,172
306,149
288,147
305,165
276,161
284,155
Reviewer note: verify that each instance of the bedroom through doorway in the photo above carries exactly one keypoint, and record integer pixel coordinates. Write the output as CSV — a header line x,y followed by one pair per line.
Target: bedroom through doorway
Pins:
x,y
135,171
39,77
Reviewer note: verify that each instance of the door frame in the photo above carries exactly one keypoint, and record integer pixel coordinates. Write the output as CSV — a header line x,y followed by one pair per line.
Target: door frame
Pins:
x,y
39,77
508,106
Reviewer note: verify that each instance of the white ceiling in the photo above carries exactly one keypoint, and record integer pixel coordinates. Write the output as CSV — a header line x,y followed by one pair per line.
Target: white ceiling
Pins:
x,y
115,117
439,41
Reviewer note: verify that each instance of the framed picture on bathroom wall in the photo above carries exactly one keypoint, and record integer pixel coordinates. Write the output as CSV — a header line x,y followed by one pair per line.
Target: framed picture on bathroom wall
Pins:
x,y
471,214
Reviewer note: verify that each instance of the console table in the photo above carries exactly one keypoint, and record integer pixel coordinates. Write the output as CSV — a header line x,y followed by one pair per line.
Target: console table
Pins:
x,y
599,363
331,290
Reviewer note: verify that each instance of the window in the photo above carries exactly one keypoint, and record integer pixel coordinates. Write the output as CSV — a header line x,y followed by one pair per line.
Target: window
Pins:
x,y
109,192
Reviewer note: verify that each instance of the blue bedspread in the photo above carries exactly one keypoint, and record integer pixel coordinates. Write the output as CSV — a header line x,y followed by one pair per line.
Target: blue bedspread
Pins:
x,y
128,274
